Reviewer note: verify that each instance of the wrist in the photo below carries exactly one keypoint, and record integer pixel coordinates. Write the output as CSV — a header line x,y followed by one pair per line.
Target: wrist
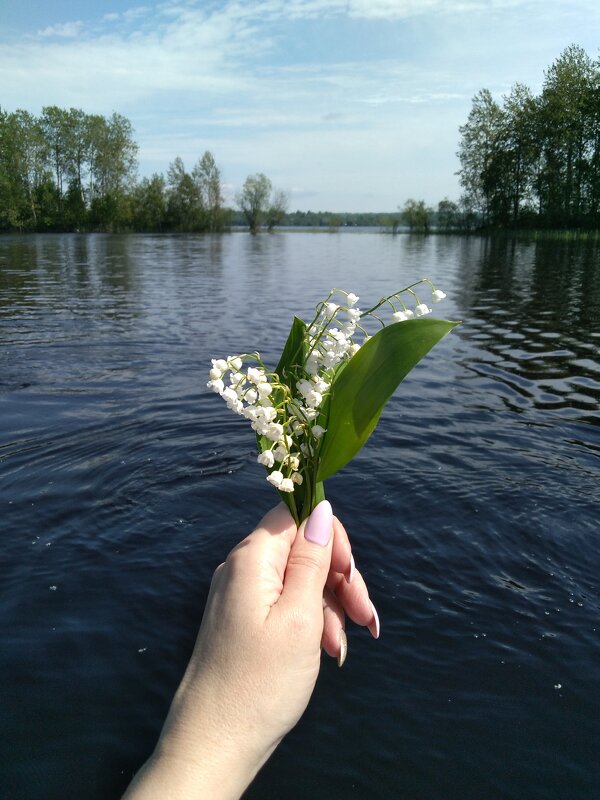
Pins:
x,y
168,775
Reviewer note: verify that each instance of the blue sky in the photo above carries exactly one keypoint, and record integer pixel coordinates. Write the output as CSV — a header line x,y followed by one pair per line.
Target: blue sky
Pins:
x,y
348,105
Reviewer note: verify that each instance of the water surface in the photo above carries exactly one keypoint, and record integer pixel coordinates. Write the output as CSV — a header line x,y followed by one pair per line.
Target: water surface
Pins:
x,y
473,511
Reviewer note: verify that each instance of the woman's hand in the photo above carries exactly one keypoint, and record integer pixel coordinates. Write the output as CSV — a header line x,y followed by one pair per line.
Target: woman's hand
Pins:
x,y
280,596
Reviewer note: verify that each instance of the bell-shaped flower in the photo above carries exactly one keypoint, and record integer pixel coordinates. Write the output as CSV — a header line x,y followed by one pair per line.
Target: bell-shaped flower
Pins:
x,y
216,385
266,458
275,477
421,310
437,295
317,431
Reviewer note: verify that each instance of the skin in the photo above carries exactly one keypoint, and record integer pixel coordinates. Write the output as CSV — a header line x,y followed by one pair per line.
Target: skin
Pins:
x,y
273,605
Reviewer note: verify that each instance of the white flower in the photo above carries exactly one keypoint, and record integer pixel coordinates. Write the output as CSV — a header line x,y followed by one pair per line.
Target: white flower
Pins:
x,y
422,309
235,362
266,459
273,431
280,452
297,478
354,349
264,389
330,359
304,387
317,431
314,399
399,316
409,313
220,364
293,463
319,385
331,309
354,314
286,485
256,376
251,396
215,374
352,299
275,477
229,394
437,296
216,385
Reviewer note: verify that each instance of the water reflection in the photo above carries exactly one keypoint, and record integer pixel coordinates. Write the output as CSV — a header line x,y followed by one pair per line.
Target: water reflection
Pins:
x,y
534,308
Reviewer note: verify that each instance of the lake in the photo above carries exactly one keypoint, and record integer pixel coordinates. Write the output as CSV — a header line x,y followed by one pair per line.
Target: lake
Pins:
x,y
474,511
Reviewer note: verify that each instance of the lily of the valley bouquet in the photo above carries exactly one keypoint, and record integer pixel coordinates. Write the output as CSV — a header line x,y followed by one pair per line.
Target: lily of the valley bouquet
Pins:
x,y
316,409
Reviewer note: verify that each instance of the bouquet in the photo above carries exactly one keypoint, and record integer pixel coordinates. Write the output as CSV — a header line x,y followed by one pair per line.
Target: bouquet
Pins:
x,y
316,409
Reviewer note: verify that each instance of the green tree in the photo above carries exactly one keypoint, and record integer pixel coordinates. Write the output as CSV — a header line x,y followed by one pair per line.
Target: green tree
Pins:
x,y
207,178
569,136
150,204
277,209
253,200
479,145
448,214
415,214
185,211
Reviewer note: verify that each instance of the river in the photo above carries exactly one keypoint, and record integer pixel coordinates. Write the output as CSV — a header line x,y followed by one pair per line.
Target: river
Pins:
x,y
474,511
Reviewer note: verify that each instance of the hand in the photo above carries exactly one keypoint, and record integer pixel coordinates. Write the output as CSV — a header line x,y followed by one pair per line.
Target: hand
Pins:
x,y
282,594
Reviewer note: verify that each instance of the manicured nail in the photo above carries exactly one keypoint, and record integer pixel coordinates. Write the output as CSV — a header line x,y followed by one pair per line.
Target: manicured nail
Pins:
x,y
350,574
343,648
319,526
374,626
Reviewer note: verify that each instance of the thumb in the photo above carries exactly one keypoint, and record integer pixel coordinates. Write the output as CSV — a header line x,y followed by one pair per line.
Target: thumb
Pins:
x,y
310,559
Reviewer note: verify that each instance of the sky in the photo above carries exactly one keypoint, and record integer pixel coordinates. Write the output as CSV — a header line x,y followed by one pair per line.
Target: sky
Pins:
x,y
347,105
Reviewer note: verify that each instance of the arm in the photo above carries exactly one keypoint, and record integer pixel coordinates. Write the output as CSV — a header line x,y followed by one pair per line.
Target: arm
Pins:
x,y
279,597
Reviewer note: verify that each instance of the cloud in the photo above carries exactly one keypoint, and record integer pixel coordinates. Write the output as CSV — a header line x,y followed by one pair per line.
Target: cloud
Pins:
x,y
66,30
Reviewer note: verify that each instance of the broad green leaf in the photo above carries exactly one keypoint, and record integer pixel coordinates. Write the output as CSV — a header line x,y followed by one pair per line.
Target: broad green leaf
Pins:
x,y
293,353
360,391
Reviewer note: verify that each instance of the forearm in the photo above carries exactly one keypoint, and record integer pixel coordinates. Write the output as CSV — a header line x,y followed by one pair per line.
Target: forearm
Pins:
x,y
209,776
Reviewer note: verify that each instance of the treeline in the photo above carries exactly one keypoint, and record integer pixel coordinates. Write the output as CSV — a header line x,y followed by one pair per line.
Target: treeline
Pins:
x,y
534,161
63,170
71,171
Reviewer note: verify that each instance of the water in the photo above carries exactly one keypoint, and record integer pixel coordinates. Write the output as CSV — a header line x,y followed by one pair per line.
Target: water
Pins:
x,y
473,511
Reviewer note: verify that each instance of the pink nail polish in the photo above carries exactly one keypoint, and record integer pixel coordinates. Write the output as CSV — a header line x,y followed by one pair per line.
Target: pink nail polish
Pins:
x,y
373,626
319,525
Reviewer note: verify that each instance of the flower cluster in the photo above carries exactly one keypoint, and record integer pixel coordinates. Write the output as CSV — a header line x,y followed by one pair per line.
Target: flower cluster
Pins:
x,y
285,414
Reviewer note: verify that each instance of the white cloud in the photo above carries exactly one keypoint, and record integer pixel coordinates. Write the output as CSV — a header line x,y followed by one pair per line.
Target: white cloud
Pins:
x,y
254,83
66,30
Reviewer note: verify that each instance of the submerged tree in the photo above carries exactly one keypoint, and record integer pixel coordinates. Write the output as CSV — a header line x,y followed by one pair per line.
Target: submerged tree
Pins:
x,y
277,209
415,214
253,199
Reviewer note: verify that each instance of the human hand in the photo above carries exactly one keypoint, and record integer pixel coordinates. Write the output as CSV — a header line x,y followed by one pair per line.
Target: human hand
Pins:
x,y
282,594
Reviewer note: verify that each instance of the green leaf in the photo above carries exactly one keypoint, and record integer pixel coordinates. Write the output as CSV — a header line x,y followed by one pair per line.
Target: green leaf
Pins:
x,y
360,391
293,354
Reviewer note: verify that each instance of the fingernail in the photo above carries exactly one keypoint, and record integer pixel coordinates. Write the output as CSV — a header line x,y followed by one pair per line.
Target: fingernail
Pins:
x,y
343,648
319,525
350,574
374,626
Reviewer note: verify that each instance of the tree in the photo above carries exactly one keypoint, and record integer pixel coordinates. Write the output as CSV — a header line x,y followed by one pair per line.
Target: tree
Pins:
x,y
253,199
448,214
478,151
207,178
150,204
569,135
185,211
415,214
277,209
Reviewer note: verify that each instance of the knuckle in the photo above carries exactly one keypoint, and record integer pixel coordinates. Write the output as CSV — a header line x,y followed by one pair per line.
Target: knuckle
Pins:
x,y
305,560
